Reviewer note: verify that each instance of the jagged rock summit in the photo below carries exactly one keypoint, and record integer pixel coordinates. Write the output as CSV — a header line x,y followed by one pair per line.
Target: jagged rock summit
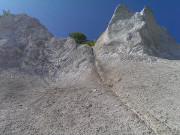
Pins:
x,y
136,34
128,83
140,61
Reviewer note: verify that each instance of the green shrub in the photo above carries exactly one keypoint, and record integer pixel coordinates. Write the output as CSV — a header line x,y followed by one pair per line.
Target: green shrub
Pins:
x,y
95,41
79,37
5,13
89,42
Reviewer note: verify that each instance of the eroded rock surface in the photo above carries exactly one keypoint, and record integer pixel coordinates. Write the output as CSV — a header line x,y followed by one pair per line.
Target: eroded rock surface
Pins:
x,y
140,61
136,34
127,84
28,45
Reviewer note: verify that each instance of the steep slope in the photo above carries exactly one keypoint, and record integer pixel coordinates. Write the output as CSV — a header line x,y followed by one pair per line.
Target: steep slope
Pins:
x,y
127,84
140,61
28,45
48,86
136,33
15,34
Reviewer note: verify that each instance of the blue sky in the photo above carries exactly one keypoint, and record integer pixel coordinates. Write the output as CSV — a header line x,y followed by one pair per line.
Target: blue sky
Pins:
x,y
92,16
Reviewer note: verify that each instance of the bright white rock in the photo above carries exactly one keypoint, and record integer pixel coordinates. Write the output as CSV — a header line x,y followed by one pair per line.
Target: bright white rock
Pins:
x,y
141,61
136,34
51,85
28,45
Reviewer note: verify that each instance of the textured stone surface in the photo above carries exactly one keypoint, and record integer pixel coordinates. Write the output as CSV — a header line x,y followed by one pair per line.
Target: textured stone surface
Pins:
x,y
136,34
28,45
128,84
29,106
132,57
16,32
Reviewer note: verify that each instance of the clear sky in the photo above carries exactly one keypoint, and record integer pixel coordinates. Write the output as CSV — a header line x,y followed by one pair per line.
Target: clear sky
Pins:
x,y
92,16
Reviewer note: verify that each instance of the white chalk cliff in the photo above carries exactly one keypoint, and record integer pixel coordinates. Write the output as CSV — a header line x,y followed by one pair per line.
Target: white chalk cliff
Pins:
x,y
26,44
141,61
128,83
137,34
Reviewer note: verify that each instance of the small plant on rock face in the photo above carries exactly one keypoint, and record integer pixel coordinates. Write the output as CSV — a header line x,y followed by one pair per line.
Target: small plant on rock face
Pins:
x,y
110,85
81,38
89,42
5,13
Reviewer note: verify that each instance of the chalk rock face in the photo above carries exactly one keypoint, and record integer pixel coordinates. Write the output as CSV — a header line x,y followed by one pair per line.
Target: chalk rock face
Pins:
x,y
16,32
136,34
28,45
58,59
51,85
139,60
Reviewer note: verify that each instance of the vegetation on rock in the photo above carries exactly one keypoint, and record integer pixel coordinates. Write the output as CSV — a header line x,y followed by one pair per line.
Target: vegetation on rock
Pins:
x,y
5,13
81,38
90,42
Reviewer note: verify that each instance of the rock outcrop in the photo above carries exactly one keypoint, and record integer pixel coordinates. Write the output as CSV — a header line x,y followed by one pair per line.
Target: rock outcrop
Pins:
x,y
28,45
140,61
136,34
128,83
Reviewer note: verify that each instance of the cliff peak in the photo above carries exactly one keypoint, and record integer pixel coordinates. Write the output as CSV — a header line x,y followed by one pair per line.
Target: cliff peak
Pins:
x,y
138,33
